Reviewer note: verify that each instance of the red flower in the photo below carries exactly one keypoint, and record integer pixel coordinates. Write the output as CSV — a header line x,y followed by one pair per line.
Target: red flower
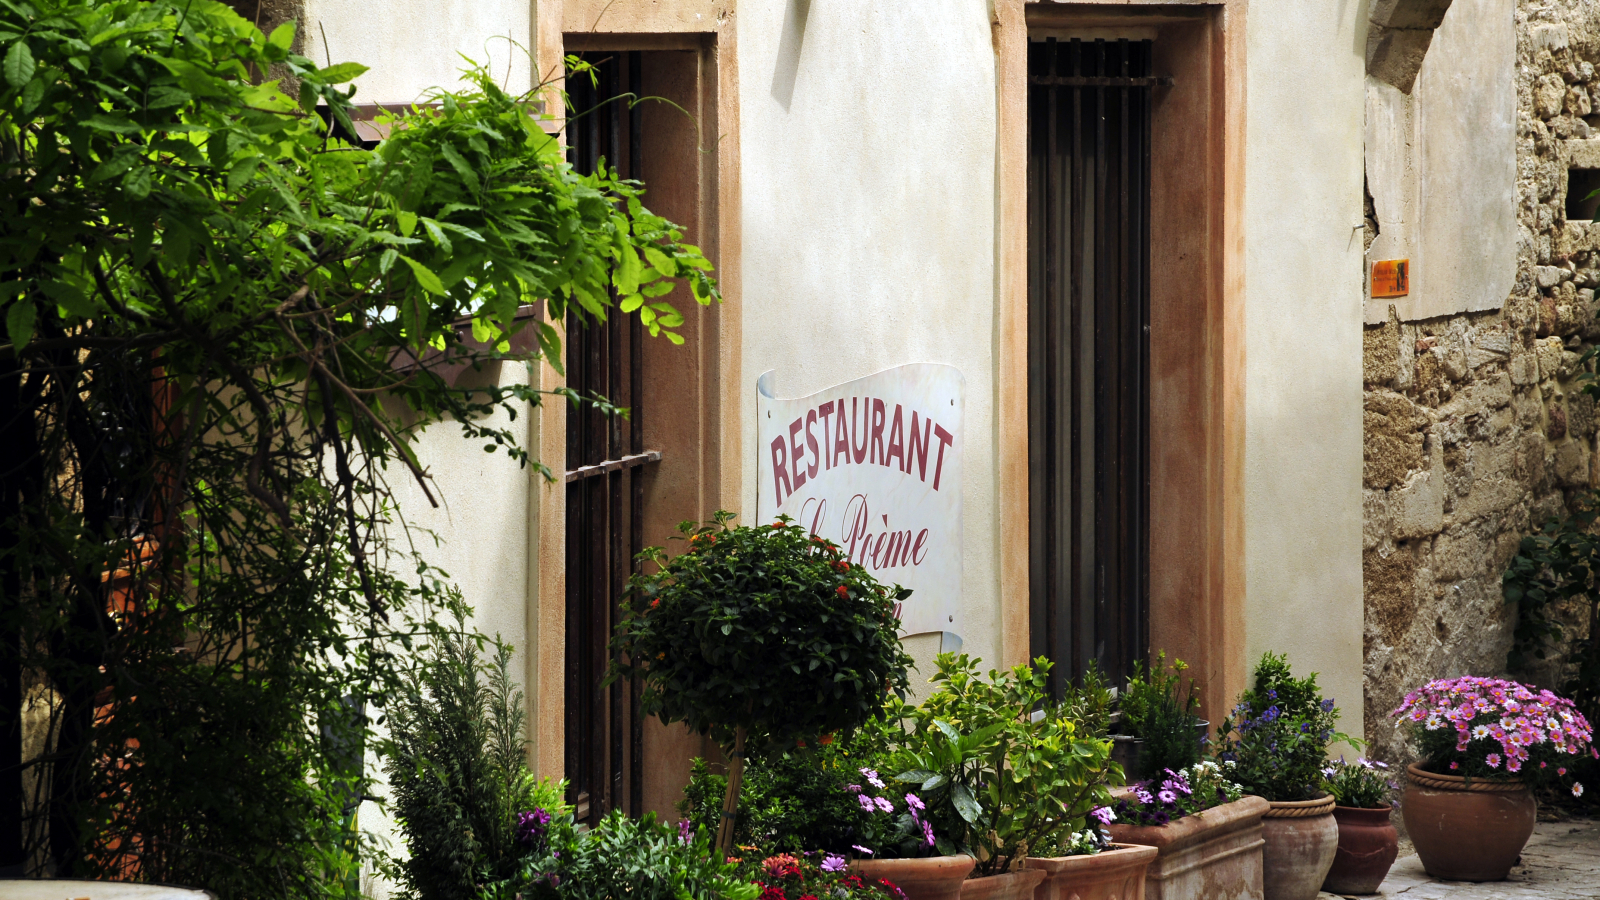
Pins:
x,y
842,591
655,603
770,892
825,740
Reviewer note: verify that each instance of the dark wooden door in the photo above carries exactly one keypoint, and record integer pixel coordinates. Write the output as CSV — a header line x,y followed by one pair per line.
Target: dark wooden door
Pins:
x,y
1088,356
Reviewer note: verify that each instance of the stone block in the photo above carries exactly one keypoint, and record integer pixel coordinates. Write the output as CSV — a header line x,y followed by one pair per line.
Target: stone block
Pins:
x,y
1380,357
1394,55
1488,346
1549,352
1391,589
1577,101
1457,555
1548,276
1376,521
1549,93
1580,415
1393,446
1418,506
1572,464
1548,37
1524,367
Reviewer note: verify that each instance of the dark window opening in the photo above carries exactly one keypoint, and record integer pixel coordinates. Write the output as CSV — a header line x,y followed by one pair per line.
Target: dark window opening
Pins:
x,y
604,733
1583,194
1089,123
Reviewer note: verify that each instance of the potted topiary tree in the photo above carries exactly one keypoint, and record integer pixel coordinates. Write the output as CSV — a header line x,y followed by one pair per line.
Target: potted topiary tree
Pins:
x,y
1484,742
1277,737
1157,726
759,636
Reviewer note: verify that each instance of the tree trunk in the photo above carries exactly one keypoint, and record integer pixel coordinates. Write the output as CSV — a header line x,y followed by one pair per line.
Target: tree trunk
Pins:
x,y
730,800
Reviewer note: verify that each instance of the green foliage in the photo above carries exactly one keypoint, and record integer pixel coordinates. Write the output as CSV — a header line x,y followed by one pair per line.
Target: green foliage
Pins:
x,y
790,801
1555,569
1277,736
457,777
224,330
1365,783
765,628
1088,702
1000,767
623,859
1159,711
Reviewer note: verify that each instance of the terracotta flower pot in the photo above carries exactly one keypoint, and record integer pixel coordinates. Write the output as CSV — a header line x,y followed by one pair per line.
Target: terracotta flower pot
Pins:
x,y
932,878
1299,840
1368,844
1467,832
1113,874
1215,855
1017,884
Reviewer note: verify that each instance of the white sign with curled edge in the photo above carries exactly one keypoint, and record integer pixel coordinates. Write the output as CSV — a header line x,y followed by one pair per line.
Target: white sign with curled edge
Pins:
x,y
874,465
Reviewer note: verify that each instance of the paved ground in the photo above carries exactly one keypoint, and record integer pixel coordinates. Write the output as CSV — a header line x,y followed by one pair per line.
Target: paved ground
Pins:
x,y
1561,862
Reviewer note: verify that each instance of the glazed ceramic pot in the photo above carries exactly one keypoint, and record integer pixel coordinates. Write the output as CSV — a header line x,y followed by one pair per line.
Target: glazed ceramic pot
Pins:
x,y
1018,884
1299,840
1467,832
1213,855
1368,844
1116,873
932,878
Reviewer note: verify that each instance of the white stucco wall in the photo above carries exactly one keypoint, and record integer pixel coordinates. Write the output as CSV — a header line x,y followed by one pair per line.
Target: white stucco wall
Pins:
x,y
868,155
413,47
1442,168
1302,340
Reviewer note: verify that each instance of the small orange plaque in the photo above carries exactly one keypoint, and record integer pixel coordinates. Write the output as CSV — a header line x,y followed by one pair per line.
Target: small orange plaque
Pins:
x,y
1391,278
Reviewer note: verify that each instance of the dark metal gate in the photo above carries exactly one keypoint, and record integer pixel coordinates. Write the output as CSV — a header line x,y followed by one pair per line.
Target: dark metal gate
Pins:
x,y
1088,355
604,735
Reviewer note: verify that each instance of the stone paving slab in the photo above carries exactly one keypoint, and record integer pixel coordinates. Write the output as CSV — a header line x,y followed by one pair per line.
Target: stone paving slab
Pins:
x,y
1561,862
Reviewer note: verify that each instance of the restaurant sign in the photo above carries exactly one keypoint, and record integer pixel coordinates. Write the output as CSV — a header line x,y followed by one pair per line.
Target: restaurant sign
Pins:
x,y
874,465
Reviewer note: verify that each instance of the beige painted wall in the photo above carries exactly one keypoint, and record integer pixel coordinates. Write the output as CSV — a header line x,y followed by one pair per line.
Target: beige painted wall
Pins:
x,y
868,156
412,47
1302,340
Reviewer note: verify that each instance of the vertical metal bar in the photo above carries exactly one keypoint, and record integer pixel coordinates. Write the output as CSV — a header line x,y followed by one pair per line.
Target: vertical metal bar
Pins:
x,y
616,558
635,439
1077,435
1127,356
1039,411
1051,312
1146,113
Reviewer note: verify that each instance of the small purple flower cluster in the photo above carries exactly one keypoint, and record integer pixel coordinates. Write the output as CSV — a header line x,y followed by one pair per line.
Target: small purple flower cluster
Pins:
x,y
532,827
914,820
1173,796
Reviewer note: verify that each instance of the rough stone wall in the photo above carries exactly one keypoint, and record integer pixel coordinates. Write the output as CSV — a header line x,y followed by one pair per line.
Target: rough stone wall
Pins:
x,y
1476,432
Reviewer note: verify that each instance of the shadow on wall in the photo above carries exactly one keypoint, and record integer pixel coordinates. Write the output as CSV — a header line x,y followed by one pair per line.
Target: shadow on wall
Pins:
x,y
788,66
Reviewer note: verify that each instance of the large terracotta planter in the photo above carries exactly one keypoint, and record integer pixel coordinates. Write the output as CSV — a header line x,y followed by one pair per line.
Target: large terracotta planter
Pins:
x,y
1467,832
1113,874
932,878
1018,884
1368,844
1299,840
1215,855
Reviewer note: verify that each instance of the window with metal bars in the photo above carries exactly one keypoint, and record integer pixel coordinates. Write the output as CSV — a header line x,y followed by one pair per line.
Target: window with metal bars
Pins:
x,y
1089,121
604,734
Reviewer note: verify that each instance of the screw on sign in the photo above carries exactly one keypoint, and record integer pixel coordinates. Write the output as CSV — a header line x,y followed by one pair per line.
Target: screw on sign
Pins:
x,y
1391,278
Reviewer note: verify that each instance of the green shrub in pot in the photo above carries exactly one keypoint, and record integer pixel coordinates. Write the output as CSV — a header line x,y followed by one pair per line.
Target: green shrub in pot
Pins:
x,y
999,766
1278,734
766,636
1158,710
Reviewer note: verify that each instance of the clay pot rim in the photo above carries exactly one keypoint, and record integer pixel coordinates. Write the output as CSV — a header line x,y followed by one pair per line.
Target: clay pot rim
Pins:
x,y
1420,777
1300,809
1387,807
1116,855
1021,871
1226,818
